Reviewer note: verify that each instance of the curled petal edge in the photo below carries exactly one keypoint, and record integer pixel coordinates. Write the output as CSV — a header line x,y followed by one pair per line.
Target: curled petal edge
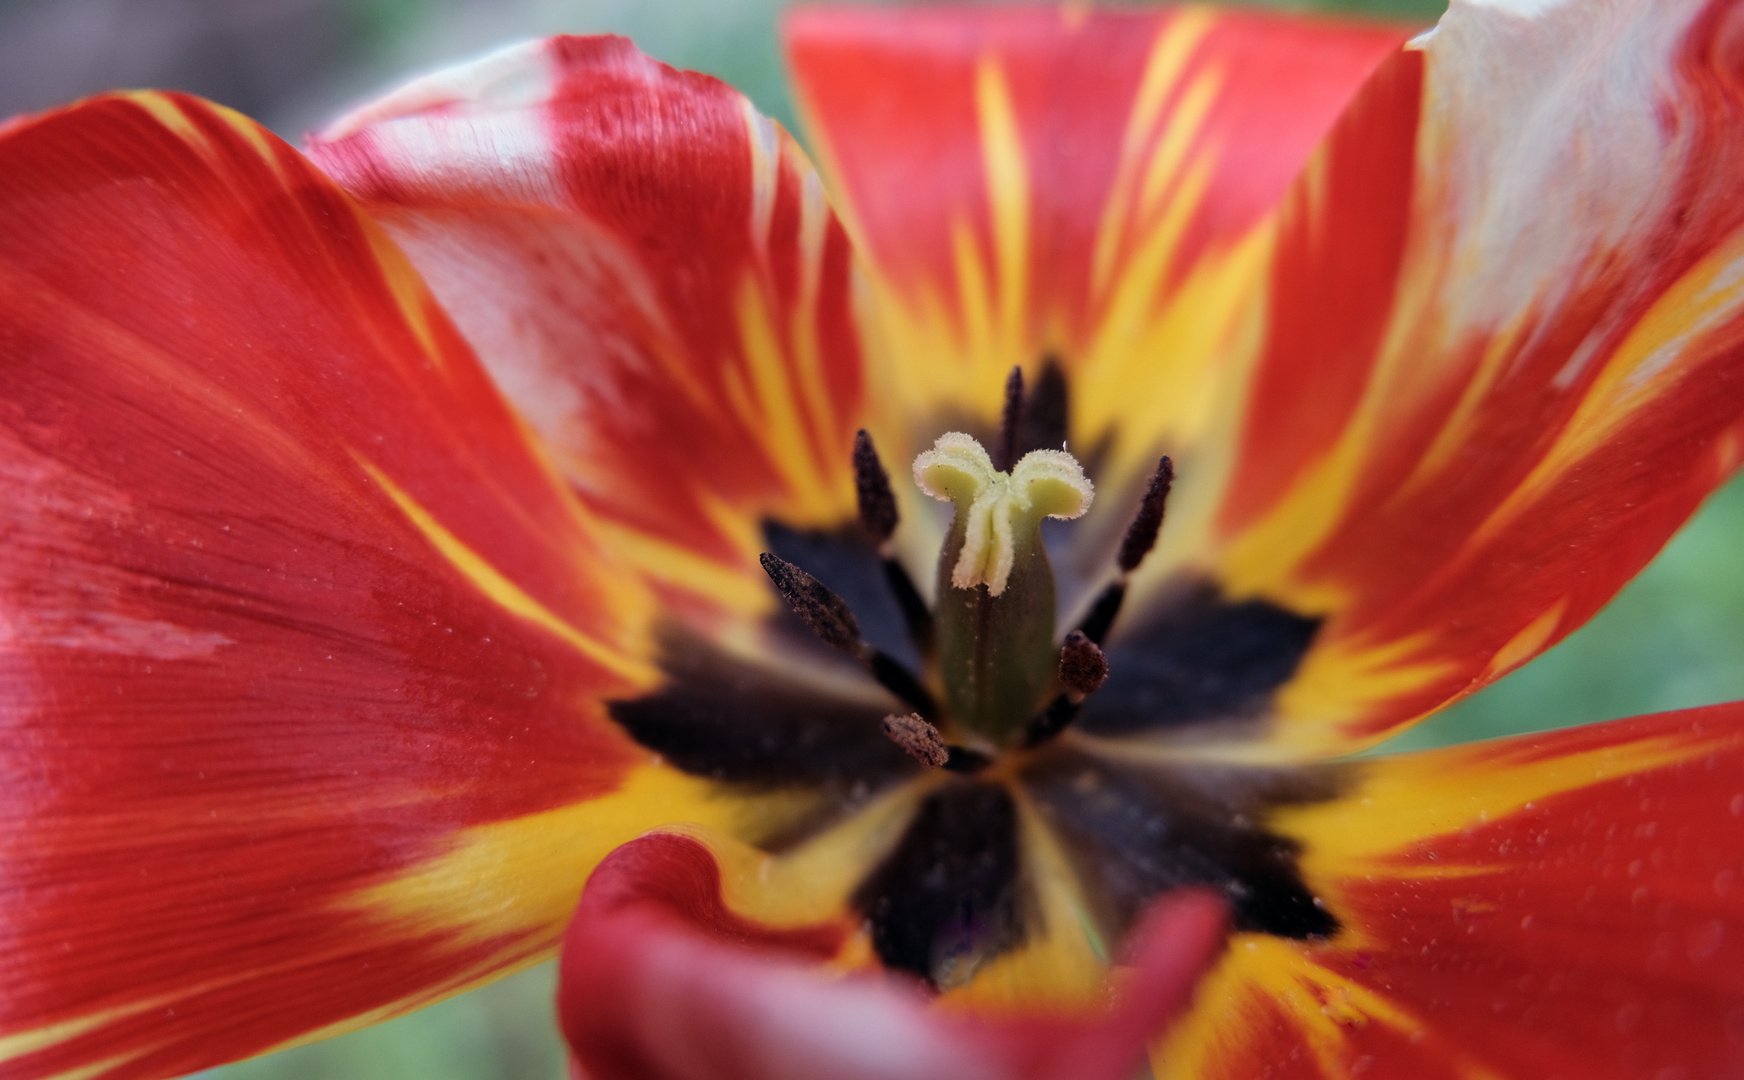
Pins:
x,y
661,981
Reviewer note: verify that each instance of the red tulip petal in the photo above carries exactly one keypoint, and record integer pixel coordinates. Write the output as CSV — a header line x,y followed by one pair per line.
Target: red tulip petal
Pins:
x,y
1056,179
650,272
662,981
1567,904
1504,360
300,637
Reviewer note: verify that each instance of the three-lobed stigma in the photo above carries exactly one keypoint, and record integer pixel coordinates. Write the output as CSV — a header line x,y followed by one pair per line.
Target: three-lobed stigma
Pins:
x,y
999,514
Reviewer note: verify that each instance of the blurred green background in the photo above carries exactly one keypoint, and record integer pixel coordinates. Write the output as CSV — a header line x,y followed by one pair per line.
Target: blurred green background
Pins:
x,y
1671,640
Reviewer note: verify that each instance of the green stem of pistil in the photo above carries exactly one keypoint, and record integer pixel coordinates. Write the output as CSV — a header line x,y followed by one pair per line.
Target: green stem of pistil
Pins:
x,y
996,653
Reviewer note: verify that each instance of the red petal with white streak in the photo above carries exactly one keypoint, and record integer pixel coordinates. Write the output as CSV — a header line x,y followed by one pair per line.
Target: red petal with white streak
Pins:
x,y
649,271
661,981
1506,355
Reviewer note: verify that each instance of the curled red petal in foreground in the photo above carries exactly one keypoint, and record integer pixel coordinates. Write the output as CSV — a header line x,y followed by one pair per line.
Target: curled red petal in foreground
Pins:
x,y
661,981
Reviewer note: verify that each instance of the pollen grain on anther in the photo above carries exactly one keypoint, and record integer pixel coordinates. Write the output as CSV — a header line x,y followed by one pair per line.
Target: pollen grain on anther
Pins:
x,y
823,612
918,738
1083,669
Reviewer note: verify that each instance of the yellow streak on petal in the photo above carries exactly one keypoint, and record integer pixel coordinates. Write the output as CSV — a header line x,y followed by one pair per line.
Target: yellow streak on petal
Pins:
x,y
727,586
1643,369
521,879
770,411
407,287
23,1043
1458,430
1526,644
975,304
524,875
1403,803
803,326
772,151
253,135
1262,558
505,593
1338,682
1164,353
1167,62
1184,129
814,881
170,115
1261,973
410,294
1008,195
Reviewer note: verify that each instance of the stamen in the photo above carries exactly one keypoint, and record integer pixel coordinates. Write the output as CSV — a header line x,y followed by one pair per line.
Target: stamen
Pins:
x,y
923,742
994,506
825,613
828,616
1045,411
1083,668
1010,424
898,680
878,515
920,739
1100,618
1141,537
872,490
965,760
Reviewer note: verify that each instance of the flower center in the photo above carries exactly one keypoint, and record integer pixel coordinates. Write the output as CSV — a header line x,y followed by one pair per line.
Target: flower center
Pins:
x,y
990,637
1016,776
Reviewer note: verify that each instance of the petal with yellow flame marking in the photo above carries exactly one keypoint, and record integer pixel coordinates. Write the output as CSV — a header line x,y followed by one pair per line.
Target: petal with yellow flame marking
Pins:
x,y
1505,357
1564,904
650,272
1092,184
301,636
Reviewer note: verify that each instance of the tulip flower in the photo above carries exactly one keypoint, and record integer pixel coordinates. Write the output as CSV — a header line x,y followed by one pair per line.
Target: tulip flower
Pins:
x,y
937,602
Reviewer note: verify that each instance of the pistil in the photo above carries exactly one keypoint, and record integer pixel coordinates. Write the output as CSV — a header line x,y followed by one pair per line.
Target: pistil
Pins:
x,y
994,620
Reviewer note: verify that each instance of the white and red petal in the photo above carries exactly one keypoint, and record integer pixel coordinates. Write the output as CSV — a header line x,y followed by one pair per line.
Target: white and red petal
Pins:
x,y
1504,358
650,272
1564,904
661,980
301,638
